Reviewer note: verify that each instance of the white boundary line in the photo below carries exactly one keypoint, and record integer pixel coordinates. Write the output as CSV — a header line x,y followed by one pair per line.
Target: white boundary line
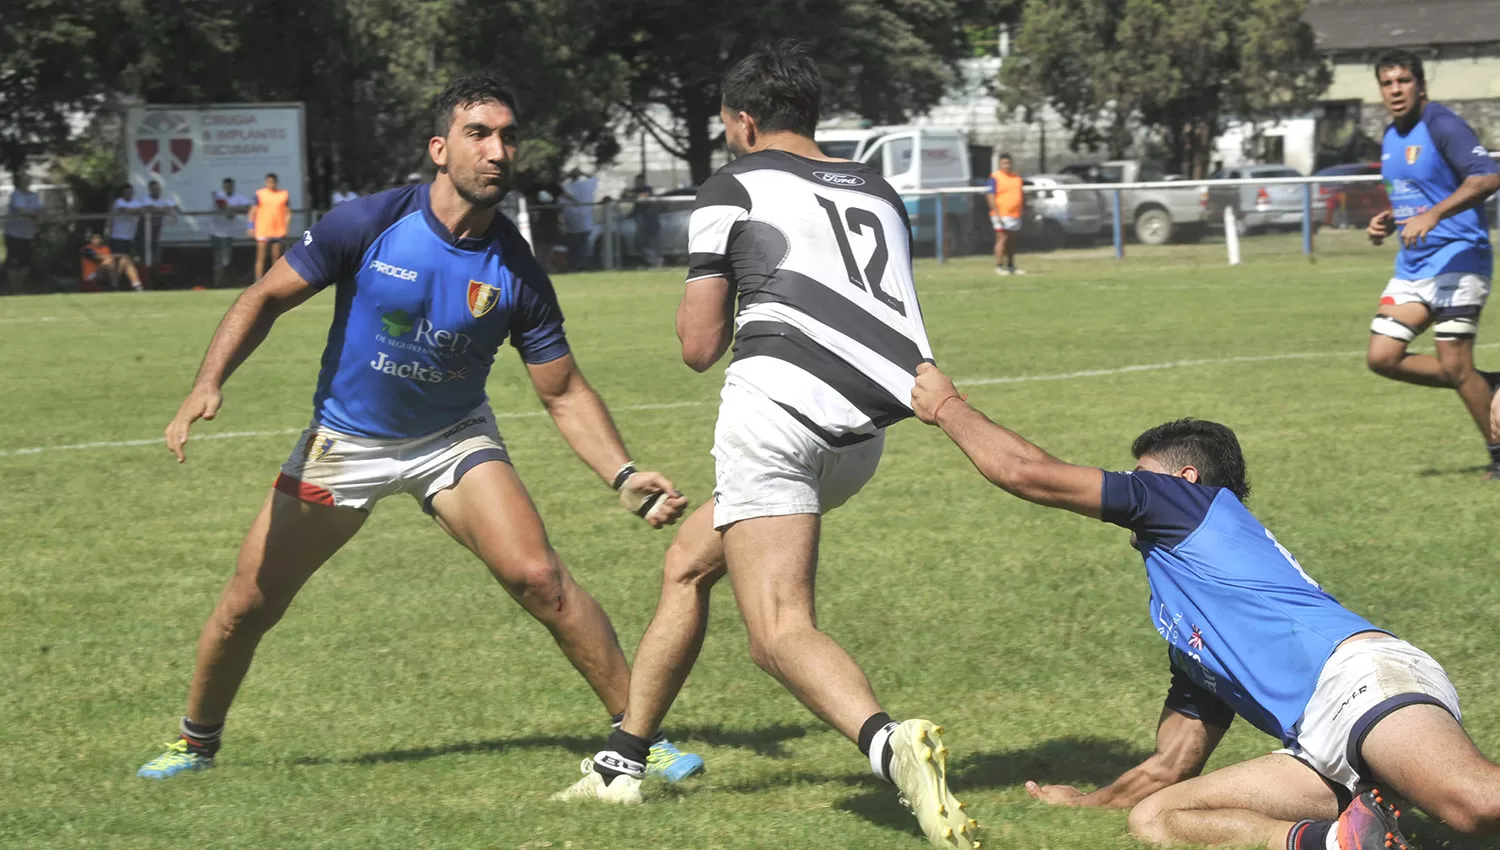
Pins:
x,y
528,414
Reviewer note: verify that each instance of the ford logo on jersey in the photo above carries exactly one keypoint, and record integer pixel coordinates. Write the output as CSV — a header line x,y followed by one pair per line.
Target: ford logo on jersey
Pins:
x,y
836,179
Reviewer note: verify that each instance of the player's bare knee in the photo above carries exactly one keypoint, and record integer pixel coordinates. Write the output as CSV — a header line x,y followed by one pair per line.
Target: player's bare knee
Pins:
x,y
686,566
1455,372
538,583
1383,361
1145,821
765,647
1471,810
245,611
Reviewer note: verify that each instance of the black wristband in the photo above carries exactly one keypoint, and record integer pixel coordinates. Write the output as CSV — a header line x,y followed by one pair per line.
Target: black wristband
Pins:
x,y
623,475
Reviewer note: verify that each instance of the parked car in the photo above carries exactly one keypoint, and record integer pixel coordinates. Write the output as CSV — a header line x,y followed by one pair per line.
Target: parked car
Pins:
x,y
1258,207
1351,204
1155,216
1058,212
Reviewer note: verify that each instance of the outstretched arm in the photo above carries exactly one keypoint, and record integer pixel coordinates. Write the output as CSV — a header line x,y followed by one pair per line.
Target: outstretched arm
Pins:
x,y
585,423
241,330
1183,745
1004,457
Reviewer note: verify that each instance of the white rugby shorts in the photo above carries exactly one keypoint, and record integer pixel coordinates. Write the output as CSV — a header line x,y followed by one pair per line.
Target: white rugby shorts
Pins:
x,y
1446,296
1007,223
331,468
767,464
1362,682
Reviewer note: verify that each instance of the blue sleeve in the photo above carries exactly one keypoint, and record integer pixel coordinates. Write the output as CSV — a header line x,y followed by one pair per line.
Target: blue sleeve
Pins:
x,y
1456,141
334,248
1190,699
536,323
993,187
1161,509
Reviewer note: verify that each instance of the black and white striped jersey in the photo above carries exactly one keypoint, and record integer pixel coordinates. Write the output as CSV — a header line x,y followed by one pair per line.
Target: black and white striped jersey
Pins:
x,y
819,252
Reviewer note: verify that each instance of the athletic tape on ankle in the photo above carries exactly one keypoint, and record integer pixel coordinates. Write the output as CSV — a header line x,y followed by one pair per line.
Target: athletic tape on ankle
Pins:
x,y
611,760
879,746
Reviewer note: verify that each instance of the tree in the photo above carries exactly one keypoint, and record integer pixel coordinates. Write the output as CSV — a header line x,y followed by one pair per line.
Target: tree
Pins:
x,y
883,59
1179,67
46,75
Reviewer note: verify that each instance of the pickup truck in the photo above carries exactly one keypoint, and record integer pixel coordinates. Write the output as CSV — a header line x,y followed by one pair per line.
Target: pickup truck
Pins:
x,y
1154,216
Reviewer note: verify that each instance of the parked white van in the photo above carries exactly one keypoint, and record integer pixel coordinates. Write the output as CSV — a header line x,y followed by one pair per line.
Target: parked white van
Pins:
x,y
913,158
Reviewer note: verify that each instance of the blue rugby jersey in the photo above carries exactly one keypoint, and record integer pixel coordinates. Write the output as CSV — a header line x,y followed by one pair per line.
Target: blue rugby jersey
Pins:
x,y
1242,620
419,313
1420,169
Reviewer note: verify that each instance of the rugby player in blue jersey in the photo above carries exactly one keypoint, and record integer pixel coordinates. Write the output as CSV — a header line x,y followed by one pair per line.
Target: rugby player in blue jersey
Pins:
x,y
1438,176
1249,634
428,282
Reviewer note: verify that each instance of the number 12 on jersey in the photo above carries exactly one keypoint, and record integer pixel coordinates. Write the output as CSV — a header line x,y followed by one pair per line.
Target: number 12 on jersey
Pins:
x,y
874,271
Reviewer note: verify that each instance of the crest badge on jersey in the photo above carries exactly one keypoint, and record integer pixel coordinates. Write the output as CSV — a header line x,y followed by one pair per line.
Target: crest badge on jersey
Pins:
x,y
1412,152
482,298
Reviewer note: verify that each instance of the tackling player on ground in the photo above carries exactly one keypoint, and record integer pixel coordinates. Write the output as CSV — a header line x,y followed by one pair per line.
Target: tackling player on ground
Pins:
x,y
1438,176
1249,633
827,336
430,281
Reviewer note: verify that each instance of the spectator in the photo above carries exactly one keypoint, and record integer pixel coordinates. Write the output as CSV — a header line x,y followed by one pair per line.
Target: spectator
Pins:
x,y
157,208
578,218
102,267
1007,206
229,205
270,216
647,224
345,192
124,222
20,231
544,199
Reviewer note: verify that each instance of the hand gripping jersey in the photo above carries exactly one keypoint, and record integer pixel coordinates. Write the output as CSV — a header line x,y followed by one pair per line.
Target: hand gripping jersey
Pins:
x,y
1242,619
828,324
419,313
1420,169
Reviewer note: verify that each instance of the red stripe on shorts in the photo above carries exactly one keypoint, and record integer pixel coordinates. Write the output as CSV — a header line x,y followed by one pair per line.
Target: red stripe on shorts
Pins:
x,y
1387,301
303,491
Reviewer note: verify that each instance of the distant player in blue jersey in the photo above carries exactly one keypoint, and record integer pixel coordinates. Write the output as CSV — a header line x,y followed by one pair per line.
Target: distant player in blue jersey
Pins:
x,y
1438,176
1248,633
428,282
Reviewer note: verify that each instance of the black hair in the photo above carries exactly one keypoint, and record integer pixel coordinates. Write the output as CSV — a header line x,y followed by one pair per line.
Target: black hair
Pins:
x,y
272,175
1005,156
1209,447
1398,58
469,90
779,86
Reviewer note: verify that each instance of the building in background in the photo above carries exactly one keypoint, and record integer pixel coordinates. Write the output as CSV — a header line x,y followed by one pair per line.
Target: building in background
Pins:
x,y
1458,40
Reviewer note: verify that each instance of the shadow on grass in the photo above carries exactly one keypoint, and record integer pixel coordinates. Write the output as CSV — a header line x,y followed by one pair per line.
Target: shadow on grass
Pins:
x,y
1462,470
1060,761
769,741
1427,834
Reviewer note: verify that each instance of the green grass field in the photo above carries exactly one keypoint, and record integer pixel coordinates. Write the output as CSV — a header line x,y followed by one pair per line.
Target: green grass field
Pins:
x,y
407,702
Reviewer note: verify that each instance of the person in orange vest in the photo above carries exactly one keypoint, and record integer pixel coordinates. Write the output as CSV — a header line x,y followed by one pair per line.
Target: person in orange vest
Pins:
x,y
99,267
1007,204
269,218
